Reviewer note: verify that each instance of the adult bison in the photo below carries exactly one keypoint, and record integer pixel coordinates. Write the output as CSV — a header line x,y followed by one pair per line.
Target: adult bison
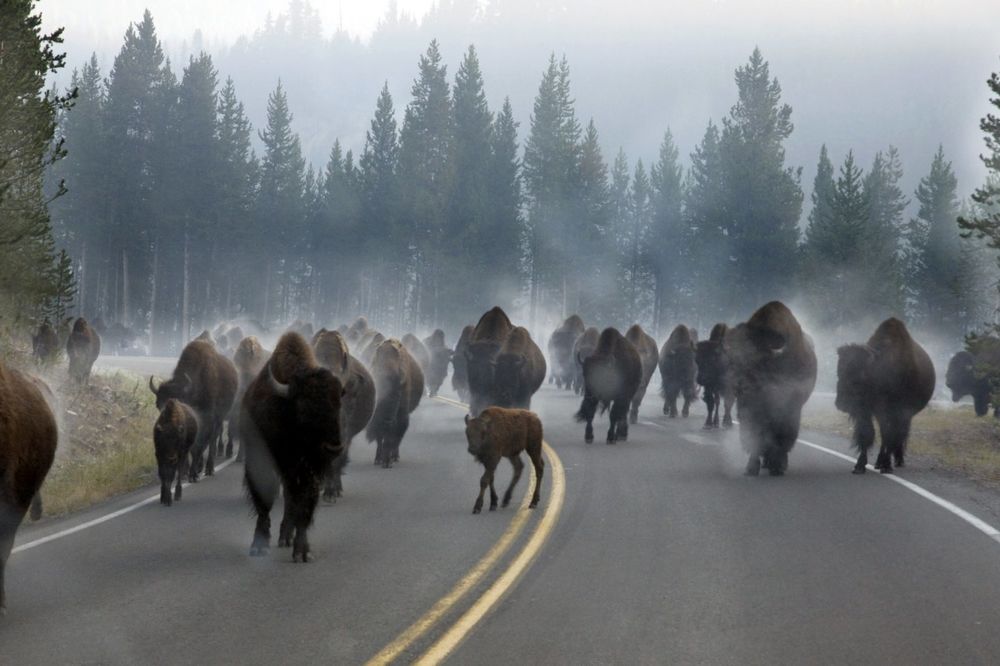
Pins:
x,y
678,371
207,381
976,371
417,350
774,372
399,385
437,368
82,347
649,355
488,337
460,364
712,360
890,379
45,343
560,349
291,423
520,370
582,349
357,405
28,437
249,358
611,376
368,350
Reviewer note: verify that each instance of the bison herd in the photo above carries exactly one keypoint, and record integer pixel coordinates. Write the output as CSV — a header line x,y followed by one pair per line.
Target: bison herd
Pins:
x,y
292,413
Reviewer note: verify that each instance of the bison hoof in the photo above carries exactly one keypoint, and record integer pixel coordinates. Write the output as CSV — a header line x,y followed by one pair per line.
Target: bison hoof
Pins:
x,y
589,440
633,419
301,557
533,504
284,542
477,509
259,550
858,469
885,470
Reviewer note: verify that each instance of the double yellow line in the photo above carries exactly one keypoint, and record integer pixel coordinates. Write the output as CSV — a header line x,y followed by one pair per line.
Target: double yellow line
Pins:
x,y
451,638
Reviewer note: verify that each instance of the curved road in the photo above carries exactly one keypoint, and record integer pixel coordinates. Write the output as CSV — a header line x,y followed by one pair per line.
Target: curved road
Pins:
x,y
662,553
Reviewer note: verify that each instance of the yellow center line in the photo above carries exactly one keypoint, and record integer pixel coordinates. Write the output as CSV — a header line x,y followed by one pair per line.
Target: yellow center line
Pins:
x,y
426,622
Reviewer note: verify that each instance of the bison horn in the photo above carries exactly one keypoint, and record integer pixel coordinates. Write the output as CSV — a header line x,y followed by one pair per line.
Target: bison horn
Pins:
x,y
151,387
280,390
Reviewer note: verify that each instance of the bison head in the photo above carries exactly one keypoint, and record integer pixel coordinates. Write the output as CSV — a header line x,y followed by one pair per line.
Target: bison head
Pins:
x,y
481,363
507,375
854,379
476,434
178,388
710,359
315,394
963,380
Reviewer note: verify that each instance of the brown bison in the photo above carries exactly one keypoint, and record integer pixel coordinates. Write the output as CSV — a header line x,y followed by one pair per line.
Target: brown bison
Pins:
x,y
488,337
891,378
504,433
460,363
291,422
82,347
774,372
45,343
417,350
560,349
174,436
582,349
355,332
249,358
611,376
207,381
520,370
649,355
437,368
399,385
358,403
712,360
28,438
368,350
678,371
976,372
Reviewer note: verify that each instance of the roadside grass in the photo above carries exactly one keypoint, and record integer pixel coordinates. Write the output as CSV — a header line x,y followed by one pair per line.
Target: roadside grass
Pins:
x,y
105,443
951,438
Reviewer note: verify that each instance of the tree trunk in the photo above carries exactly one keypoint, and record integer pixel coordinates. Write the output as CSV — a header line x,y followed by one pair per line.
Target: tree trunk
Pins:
x,y
125,313
152,298
186,294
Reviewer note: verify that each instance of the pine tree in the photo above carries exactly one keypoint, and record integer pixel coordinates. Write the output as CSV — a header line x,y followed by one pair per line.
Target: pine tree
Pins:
x,y
762,196
882,251
620,205
506,226
595,269
670,240
29,271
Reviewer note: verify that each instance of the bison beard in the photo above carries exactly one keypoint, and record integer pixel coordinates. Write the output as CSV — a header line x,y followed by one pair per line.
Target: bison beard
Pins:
x,y
611,376
520,370
890,379
28,438
291,423
774,369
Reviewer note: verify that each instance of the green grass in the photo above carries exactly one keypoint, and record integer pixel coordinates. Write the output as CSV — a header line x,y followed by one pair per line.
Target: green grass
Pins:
x,y
951,438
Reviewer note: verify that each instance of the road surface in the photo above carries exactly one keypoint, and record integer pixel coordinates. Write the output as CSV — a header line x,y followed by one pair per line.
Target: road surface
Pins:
x,y
659,551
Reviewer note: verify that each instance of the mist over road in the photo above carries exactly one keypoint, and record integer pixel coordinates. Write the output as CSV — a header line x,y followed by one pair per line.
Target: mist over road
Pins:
x,y
663,553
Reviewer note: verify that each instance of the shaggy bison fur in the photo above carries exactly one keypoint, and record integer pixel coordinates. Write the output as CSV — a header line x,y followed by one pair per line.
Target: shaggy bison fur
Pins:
x,y
399,385
28,437
582,349
82,347
291,423
504,433
560,349
975,371
249,358
712,360
611,376
520,370
890,379
678,371
460,363
649,355
488,337
437,368
174,436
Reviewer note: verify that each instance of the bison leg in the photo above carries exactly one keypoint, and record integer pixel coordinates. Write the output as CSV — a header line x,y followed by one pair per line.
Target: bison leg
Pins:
x,y
485,481
864,437
586,414
539,464
619,421
518,464
286,531
262,485
712,419
334,486
753,465
888,428
10,517
210,460
303,509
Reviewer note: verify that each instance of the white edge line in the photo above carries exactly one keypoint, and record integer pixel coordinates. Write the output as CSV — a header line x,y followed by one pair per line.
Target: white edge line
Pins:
x,y
956,510
102,519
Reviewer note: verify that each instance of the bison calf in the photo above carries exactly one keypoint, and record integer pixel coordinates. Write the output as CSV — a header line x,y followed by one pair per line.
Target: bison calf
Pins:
x,y
504,433
173,439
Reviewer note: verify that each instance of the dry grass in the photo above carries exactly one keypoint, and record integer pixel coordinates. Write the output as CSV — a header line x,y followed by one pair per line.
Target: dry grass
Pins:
x,y
105,442
952,438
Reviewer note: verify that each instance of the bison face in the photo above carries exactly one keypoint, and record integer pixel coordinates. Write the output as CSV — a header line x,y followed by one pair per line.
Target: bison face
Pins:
x,y
481,365
177,388
854,380
710,360
508,377
961,377
475,433
316,395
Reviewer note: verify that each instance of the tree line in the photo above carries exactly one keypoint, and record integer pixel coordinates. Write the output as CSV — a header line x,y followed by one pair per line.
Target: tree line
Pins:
x,y
174,221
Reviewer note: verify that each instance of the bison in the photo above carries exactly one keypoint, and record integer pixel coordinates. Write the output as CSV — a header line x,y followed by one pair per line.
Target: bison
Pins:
x,y
174,436
28,438
358,403
890,379
774,372
460,363
975,372
678,371
488,337
712,360
417,350
291,422
504,433
249,358
82,347
582,349
45,343
399,385
611,376
368,351
207,381
648,354
437,368
560,349
519,371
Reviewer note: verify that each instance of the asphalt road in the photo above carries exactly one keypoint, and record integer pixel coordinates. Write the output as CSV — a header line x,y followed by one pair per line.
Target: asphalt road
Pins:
x,y
662,553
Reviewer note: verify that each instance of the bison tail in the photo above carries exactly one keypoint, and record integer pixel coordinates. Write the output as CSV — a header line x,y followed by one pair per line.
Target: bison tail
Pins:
x,y
604,406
